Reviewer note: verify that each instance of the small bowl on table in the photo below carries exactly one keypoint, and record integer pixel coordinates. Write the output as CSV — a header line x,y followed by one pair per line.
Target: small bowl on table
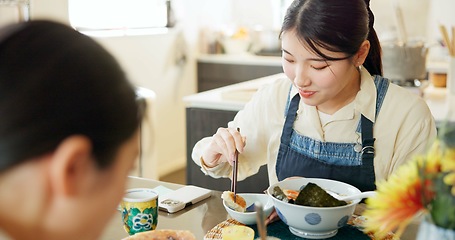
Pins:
x,y
249,217
314,222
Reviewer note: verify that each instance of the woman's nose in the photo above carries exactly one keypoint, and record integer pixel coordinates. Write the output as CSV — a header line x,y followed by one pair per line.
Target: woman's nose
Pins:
x,y
301,77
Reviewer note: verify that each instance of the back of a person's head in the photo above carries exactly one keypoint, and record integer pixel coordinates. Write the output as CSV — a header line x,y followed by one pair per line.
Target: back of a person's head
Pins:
x,y
56,82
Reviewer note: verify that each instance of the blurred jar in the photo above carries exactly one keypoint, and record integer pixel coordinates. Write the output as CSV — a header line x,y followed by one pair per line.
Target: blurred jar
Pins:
x,y
438,79
266,40
236,41
14,11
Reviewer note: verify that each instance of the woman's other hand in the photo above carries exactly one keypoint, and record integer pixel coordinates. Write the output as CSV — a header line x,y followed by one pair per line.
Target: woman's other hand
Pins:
x,y
222,147
273,217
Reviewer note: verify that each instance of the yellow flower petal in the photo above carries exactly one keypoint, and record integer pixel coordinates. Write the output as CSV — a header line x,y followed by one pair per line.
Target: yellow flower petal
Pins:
x,y
397,201
449,179
448,164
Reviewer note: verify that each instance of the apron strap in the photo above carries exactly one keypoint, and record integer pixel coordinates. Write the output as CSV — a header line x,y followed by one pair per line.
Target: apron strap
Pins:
x,y
366,125
367,140
290,118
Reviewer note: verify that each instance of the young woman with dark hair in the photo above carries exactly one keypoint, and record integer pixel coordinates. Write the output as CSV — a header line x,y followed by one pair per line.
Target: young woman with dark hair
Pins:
x,y
68,133
334,116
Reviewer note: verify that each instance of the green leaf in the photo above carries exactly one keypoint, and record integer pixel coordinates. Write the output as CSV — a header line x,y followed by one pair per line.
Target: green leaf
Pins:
x,y
443,205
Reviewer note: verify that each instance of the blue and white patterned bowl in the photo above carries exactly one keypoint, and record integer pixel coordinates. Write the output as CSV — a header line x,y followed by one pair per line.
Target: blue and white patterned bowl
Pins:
x,y
314,222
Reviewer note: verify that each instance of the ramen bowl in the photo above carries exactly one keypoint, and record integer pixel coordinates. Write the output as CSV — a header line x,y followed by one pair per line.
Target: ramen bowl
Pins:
x,y
314,222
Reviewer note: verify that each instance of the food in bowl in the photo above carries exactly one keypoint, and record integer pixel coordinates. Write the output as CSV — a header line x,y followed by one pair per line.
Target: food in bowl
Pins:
x,y
310,195
238,205
237,232
163,234
249,217
314,222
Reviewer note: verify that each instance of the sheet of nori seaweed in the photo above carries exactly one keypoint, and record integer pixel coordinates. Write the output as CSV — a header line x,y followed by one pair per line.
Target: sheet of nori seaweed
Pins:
x,y
279,194
314,196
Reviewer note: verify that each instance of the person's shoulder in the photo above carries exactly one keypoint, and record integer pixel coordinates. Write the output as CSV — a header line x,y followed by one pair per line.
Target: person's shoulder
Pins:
x,y
406,100
401,93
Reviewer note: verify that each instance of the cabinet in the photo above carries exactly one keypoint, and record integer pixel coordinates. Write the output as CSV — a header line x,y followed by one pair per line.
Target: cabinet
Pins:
x,y
201,123
212,75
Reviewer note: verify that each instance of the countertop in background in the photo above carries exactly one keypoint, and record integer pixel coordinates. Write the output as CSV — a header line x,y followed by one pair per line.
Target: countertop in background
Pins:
x,y
243,58
229,98
234,97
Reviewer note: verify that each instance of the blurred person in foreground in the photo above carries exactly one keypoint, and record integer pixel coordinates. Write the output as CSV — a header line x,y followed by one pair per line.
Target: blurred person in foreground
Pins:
x,y
68,133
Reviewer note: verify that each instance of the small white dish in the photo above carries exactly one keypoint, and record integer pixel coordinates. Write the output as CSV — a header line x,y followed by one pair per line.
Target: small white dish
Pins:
x,y
249,218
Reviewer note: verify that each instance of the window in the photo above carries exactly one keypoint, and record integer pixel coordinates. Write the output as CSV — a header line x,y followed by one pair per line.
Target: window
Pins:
x,y
123,15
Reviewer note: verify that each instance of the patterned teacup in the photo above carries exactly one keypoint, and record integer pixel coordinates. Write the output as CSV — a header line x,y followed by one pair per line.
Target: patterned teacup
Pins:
x,y
139,210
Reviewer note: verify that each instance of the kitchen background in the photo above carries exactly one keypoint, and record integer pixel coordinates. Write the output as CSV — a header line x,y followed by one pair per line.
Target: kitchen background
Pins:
x,y
166,61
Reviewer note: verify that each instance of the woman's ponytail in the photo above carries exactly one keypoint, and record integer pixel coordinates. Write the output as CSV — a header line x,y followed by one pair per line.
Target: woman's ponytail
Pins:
x,y
373,62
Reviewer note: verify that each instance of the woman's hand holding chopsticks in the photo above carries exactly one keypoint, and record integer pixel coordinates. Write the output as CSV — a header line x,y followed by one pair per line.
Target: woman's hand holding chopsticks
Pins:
x,y
223,146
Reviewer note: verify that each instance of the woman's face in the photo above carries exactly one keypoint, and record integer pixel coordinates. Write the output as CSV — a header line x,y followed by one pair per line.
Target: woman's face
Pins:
x,y
328,85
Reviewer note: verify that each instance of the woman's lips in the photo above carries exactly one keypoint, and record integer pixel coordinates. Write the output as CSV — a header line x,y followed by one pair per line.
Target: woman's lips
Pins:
x,y
306,94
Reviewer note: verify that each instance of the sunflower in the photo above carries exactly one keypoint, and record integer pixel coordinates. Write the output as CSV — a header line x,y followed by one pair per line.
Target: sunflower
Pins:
x,y
425,184
397,200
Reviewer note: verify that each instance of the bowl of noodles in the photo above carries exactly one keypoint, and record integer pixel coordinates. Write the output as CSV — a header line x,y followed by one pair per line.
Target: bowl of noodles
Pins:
x,y
308,207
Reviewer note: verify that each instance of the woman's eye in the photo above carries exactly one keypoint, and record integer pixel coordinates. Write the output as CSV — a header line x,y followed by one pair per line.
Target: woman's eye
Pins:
x,y
319,67
288,60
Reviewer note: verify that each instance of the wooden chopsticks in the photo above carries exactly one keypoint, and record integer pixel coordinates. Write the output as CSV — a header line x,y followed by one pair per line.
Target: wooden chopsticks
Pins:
x,y
234,172
260,220
449,41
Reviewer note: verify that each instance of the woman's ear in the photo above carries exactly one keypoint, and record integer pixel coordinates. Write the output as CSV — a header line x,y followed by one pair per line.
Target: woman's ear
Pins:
x,y
71,165
362,54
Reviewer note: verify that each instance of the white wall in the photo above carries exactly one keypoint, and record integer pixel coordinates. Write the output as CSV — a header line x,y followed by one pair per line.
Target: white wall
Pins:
x,y
440,12
151,62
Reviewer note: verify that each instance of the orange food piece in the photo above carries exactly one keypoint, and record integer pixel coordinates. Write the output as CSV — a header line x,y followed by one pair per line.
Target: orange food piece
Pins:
x,y
291,194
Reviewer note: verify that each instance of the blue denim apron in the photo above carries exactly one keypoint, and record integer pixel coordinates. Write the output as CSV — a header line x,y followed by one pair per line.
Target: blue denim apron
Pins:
x,y
351,163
